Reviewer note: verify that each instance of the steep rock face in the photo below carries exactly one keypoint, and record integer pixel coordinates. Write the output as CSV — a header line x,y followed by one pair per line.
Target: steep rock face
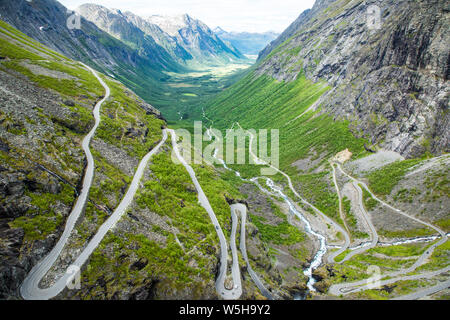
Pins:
x,y
46,103
141,69
196,38
145,37
46,21
180,38
285,35
392,82
294,27
162,38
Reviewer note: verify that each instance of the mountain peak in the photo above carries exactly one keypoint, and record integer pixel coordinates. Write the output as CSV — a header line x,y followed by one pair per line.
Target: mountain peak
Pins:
x,y
170,24
219,30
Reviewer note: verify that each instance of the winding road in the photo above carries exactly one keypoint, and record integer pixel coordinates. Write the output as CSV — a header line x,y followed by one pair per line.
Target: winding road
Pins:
x,y
242,209
30,289
236,292
341,210
291,186
373,230
442,233
235,271
346,288
317,261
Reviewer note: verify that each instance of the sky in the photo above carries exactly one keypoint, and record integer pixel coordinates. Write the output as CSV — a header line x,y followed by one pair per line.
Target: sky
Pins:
x,y
231,15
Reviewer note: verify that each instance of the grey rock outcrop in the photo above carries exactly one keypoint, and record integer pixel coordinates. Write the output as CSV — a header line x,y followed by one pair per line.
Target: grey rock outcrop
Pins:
x,y
392,82
181,38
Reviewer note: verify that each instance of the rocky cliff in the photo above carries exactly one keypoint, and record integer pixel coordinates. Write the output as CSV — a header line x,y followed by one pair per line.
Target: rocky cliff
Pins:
x,y
197,38
392,82
46,105
139,68
138,33
46,21
183,38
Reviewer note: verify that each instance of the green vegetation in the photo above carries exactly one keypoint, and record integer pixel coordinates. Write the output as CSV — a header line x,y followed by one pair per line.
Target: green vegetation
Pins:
x,y
168,264
363,261
405,250
64,86
44,219
253,98
181,205
281,233
30,44
60,151
351,220
439,259
396,289
217,190
169,193
189,95
356,268
444,224
202,86
108,188
437,184
341,257
126,125
411,233
8,49
369,202
38,227
25,50
383,180
347,273
316,188
13,126
406,195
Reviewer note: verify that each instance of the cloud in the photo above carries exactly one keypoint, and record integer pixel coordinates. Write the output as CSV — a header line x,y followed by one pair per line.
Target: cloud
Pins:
x,y
231,15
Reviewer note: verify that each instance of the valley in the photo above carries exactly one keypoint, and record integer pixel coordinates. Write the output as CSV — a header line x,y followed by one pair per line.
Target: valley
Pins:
x,y
97,127
187,93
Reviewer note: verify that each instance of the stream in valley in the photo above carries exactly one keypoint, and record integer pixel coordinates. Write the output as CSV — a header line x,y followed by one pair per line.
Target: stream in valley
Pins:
x,y
318,258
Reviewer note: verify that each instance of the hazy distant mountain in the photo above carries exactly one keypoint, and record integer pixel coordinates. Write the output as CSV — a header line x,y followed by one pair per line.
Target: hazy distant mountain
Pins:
x,y
391,83
46,21
182,38
140,34
140,69
246,42
197,38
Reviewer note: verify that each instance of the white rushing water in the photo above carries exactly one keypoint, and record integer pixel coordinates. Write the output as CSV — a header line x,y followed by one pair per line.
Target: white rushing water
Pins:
x,y
318,258
413,240
317,261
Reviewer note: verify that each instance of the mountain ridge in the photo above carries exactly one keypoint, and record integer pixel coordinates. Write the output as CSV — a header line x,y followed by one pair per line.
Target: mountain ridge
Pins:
x,y
249,43
183,38
196,37
332,42
140,71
